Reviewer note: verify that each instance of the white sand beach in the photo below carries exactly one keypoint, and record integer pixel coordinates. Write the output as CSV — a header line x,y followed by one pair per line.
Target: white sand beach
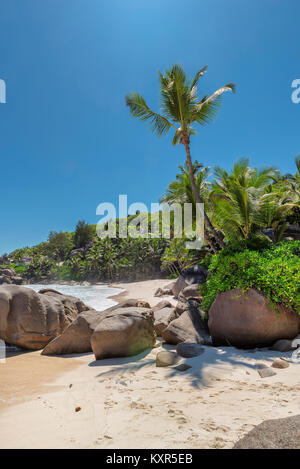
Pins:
x,y
130,403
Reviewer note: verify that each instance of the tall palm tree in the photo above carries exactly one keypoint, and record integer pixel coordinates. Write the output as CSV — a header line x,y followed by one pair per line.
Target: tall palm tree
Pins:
x,y
181,191
181,108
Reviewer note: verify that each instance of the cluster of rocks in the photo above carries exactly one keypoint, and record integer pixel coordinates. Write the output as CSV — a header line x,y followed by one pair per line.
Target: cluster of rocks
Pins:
x,y
125,330
174,359
61,324
187,285
265,371
9,276
236,318
30,320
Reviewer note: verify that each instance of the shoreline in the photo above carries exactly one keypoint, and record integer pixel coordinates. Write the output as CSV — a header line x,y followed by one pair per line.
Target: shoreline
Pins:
x,y
130,403
143,290
18,385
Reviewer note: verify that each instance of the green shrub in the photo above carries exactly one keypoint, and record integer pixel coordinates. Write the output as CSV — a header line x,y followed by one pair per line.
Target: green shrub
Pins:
x,y
274,271
19,269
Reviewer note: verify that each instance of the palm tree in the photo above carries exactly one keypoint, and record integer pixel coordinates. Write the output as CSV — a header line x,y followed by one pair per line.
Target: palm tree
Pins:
x,y
287,188
241,206
181,108
181,190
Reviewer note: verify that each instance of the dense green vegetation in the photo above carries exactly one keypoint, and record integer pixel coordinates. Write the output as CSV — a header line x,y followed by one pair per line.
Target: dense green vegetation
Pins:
x,y
97,260
241,203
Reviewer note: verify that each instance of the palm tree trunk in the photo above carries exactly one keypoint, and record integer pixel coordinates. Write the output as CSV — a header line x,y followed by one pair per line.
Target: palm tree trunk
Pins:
x,y
209,242
185,141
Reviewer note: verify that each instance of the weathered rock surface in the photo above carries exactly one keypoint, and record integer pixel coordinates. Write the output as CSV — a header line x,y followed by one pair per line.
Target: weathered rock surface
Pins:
x,y
162,304
273,434
123,332
71,304
266,372
181,306
129,303
193,275
166,290
279,363
179,285
9,276
189,350
120,323
166,358
162,319
191,291
30,320
285,345
246,320
188,327
76,338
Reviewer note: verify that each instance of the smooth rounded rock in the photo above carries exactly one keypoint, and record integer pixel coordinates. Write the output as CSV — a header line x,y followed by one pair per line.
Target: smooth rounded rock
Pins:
x,y
279,363
166,358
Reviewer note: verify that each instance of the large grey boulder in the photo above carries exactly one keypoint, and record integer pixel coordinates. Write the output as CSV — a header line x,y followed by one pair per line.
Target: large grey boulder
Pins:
x,y
76,338
283,345
195,274
181,306
273,434
178,286
123,332
188,327
247,320
30,320
162,319
71,304
191,291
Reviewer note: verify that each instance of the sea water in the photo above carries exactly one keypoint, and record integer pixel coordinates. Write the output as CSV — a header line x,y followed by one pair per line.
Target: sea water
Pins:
x,y
95,296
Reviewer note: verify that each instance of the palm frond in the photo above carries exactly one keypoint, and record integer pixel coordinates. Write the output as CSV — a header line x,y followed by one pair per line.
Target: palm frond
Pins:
x,y
197,76
138,108
297,161
222,90
176,138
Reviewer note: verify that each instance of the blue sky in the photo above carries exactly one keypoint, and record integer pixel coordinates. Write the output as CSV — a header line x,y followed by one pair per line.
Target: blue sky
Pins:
x,y
68,142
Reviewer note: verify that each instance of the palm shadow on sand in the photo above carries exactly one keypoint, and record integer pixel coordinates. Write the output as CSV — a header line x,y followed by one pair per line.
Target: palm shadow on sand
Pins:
x,y
214,363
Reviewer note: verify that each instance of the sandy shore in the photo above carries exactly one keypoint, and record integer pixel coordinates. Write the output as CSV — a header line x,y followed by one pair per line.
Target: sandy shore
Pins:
x,y
130,403
143,291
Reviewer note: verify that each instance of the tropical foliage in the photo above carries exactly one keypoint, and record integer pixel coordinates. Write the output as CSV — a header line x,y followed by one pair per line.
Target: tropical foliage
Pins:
x,y
275,271
243,202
